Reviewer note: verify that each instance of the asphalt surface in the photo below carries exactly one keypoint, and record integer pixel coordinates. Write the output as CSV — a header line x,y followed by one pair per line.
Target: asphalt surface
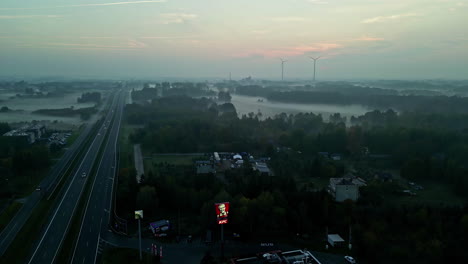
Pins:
x,y
47,185
98,207
51,239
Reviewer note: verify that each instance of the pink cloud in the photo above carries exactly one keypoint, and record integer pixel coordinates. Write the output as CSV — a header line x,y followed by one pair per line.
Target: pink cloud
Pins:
x,y
290,51
367,38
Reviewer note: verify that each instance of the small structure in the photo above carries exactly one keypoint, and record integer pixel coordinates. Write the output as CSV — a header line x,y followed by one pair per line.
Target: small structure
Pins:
x,y
160,227
279,257
335,240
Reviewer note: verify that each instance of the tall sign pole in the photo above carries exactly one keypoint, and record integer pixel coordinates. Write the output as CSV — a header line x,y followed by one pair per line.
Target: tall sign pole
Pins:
x,y
139,216
222,212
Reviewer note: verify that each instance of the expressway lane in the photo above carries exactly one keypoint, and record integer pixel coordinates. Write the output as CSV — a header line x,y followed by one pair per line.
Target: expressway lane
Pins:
x,y
52,237
96,217
48,185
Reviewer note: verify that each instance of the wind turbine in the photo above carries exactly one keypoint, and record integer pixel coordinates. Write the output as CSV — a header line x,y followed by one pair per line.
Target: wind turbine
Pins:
x,y
282,68
315,61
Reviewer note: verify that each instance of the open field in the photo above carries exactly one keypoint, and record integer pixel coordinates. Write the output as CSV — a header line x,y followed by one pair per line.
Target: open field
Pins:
x,y
434,194
178,160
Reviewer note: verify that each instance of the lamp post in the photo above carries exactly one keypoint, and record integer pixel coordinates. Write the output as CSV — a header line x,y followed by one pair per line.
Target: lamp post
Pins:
x,y
139,216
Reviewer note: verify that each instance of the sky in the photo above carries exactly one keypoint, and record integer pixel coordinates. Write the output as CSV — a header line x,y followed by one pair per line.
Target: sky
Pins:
x,y
355,39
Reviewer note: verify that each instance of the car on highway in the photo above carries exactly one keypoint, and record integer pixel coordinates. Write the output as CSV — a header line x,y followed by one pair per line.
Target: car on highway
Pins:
x,y
83,174
350,259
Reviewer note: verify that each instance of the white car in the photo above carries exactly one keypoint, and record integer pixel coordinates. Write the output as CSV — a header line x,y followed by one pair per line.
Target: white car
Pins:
x,y
350,259
83,174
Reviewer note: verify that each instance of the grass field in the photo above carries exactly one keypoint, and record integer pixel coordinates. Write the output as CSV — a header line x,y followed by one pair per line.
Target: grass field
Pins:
x,y
434,194
178,160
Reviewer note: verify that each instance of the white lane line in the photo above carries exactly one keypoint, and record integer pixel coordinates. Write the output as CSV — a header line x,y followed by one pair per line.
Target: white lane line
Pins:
x,y
99,239
87,204
60,204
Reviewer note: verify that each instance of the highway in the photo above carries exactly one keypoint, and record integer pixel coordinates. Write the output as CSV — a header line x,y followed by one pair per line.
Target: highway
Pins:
x,y
98,207
48,185
52,237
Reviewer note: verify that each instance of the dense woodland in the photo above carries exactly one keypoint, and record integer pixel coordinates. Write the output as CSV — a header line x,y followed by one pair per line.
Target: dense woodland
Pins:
x,y
421,145
90,97
153,91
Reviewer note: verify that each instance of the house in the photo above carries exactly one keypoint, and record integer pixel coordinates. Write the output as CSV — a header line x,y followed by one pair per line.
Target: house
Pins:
x,y
262,167
335,240
345,188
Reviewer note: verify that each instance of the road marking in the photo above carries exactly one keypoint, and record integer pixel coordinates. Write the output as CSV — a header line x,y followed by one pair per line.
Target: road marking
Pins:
x,y
60,204
87,204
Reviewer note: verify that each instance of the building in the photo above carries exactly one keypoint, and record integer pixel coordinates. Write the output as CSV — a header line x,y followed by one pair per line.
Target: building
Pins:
x,y
262,167
335,240
345,188
279,257
30,133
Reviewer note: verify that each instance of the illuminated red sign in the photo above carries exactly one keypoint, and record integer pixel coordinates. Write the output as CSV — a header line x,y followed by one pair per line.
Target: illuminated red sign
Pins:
x,y
222,212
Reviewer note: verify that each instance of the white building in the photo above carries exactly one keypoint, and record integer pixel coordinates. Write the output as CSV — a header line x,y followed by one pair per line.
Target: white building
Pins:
x,y
345,188
335,240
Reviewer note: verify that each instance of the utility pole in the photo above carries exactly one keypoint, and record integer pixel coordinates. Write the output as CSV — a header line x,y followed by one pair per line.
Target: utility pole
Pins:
x,y
315,61
282,68
222,241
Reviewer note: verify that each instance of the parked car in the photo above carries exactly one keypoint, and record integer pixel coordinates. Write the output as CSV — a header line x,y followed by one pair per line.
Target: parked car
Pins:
x,y
350,259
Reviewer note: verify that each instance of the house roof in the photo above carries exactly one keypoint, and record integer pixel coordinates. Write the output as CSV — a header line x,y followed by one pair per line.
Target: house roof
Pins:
x,y
335,238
